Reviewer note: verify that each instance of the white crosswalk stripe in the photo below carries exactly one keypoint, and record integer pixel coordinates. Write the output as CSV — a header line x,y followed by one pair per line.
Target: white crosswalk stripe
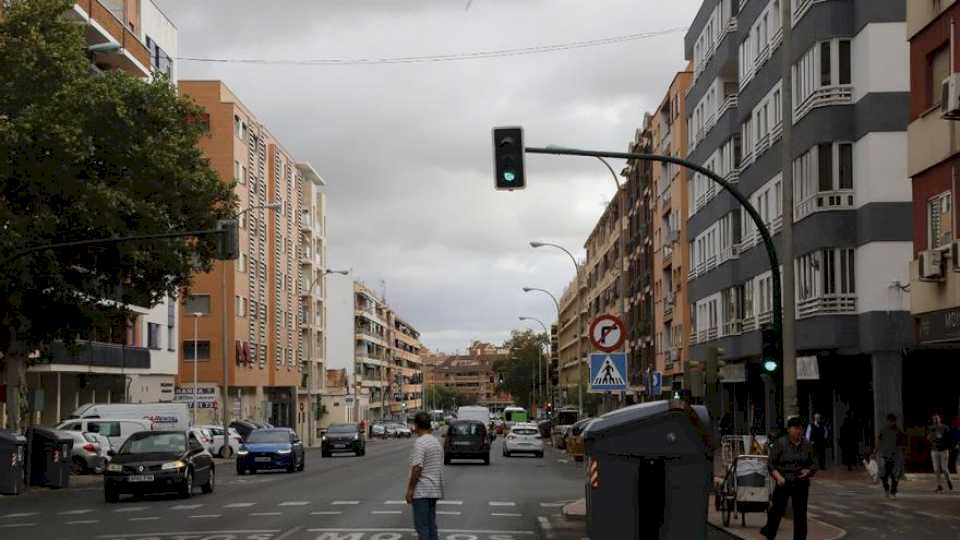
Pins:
x,y
265,514
83,522
19,515
496,514
340,503
326,513
186,507
450,503
385,512
502,503
16,525
239,505
206,516
150,518
447,513
550,505
294,503
76,512
130,509
394,502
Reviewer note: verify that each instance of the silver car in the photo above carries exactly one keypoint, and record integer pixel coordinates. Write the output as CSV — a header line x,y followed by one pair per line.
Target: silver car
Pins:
x,y
87,456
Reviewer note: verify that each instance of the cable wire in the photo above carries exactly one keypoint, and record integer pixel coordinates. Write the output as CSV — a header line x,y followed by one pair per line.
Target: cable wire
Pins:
x,y
456,57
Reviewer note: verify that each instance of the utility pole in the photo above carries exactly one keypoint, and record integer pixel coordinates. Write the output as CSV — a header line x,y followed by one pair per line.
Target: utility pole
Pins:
x,y
789,406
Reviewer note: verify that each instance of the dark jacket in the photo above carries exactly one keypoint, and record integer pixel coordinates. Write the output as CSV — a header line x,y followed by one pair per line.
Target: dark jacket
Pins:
x,y
789,459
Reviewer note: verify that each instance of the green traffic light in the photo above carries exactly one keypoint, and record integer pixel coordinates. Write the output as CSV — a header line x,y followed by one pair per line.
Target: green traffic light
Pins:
x,y
770,365
509,176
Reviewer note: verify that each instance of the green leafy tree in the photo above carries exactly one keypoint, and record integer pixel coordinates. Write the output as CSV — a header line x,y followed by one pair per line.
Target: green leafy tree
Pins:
x,y
519,368
447,397
86,156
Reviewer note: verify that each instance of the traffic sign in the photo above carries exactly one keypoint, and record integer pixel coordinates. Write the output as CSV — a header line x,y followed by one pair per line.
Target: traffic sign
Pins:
x,y
607,333
608,372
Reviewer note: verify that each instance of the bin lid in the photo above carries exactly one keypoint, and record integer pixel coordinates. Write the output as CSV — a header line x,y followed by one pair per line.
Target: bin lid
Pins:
x,y
638,413
43,432
11,438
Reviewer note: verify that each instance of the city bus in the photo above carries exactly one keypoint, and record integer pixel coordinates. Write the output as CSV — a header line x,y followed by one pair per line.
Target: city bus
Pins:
x,y
514,415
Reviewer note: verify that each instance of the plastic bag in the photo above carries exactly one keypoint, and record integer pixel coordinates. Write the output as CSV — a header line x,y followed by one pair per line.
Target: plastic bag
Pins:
x,y
873,469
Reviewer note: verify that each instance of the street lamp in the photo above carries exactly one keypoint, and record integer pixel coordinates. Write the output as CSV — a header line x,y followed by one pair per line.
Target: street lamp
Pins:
x,y
196,333
579,319
539,356
559,325
311,406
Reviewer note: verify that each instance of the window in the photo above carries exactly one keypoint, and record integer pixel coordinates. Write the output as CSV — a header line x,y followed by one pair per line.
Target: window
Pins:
x,y
844,53
825,172
825,63
938,69
153,336
202,350
242,263
197,303
846,165
241,307
240,127
940,221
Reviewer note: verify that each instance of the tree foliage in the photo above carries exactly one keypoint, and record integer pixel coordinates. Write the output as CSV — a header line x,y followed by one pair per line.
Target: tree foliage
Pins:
x,y
86,156
446,398
520,366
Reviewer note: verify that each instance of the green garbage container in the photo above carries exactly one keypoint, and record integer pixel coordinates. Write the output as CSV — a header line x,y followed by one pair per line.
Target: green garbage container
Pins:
x,y
13,455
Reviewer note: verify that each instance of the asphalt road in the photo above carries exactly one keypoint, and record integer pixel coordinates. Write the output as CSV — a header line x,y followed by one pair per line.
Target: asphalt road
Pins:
x,y
338,498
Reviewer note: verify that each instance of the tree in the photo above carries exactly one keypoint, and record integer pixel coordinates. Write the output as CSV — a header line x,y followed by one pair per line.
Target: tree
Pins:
x,y
518,370
446,397
86,156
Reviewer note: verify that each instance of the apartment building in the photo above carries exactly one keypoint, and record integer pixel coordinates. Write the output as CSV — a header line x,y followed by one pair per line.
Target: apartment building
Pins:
x,y
640,209
133,361
571,351
471,374
254,328
313,305
671,259
933,150
851,214
387,362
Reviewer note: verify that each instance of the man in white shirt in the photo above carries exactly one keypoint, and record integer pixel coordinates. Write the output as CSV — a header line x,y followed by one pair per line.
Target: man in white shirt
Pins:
x,y
425,486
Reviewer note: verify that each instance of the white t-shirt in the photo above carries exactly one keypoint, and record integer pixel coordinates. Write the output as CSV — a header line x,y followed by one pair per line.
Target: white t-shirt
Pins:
x,y
428,454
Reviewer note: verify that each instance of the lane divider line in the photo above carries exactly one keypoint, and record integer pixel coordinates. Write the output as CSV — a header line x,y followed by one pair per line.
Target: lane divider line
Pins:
x,y
385,512
453,503
326,513
266,514
206,516
341,503
239,505
294,503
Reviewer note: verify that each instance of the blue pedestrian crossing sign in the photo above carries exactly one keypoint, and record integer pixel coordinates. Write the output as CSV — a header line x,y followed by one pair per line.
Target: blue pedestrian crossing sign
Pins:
x,y
608,372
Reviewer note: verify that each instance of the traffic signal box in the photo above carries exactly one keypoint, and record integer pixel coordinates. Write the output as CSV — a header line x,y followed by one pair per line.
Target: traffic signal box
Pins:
x,y
508,158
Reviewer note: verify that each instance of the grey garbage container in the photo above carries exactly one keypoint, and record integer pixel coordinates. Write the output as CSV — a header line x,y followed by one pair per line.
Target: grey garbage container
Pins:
x,y
649,472
13,455
49,452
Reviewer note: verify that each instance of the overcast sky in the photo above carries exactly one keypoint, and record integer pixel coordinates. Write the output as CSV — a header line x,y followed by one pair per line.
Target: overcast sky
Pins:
x,y
406,148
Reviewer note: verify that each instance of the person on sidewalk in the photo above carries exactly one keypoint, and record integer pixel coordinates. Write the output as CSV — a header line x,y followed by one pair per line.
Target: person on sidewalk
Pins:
x,y
939,436
890,456
792,463
425,485
849,441
817,435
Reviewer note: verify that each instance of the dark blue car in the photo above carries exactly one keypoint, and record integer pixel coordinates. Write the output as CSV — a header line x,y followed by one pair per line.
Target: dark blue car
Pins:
x,y
277,448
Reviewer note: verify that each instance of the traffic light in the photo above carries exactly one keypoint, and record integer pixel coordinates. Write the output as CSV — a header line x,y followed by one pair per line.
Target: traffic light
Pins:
x,y
228,244
770,349
508,158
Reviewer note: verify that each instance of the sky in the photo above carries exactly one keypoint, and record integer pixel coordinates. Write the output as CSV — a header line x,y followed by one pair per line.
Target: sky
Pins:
x,y
405,148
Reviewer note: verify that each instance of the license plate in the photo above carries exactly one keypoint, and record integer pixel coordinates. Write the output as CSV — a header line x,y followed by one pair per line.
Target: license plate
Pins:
x,y
140,478
462,443
263,460
339,446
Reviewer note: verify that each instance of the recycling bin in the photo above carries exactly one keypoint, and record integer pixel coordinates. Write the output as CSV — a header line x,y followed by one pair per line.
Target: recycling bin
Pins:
x,y
49,452
649,472
13,453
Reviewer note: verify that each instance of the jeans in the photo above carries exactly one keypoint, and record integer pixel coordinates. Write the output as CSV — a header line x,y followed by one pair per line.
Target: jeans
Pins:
x,y
940,458
798,491
425,519
890,477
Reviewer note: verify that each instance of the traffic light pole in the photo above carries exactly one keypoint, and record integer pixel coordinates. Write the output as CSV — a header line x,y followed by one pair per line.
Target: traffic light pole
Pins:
x,y
754,215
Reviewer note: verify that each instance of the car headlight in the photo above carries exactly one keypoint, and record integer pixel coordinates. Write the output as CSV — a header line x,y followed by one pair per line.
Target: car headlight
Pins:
x,y
173,465
115,467
356,436
284,451
242,452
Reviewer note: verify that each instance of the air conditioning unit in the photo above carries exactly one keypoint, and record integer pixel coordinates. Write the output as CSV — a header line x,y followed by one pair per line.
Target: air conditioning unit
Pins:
x,y
931,265
950,96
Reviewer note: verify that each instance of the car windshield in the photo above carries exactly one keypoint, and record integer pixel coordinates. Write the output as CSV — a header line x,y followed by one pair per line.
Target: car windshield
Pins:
x,y
466,428
269,437
342,428
150,443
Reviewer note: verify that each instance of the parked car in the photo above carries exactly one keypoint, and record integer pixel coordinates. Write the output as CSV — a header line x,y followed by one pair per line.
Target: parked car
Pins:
x,y
341,438
236,440
402,431
391,430
117,430
574,439
277,448
466,439
378,430
523,438
244,428
157,462
204,436
86,456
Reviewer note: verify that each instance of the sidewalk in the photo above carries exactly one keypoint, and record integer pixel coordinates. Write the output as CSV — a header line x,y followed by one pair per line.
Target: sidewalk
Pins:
x,y
816,529
571,524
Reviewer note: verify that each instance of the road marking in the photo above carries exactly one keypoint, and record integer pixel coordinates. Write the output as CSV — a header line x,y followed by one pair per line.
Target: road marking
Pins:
x,y
186,507
340,503
502,503
239,505
294,503
152,518
83,522
385,512
76,512
454,503
206,516
397,502
178,534
452,531
131,509
19,515
17,525
266,514
447,513
505,515
326,513
551,505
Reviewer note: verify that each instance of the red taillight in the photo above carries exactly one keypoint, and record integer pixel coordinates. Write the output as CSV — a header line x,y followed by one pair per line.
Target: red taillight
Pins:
x,y
89,447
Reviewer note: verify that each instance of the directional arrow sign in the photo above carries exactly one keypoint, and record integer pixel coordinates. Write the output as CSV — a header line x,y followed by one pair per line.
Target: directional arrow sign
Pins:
x,y
608,372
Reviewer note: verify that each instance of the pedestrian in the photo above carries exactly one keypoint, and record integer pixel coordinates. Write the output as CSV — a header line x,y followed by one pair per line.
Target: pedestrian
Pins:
x,y
890,455
817,435
792,463
941,440
849,441
425,485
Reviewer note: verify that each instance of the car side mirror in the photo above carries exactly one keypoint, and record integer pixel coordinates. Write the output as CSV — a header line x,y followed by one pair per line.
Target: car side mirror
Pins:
x,y
111,452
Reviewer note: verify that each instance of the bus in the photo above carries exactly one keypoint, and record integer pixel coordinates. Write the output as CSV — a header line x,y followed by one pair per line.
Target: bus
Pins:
x,y
514,415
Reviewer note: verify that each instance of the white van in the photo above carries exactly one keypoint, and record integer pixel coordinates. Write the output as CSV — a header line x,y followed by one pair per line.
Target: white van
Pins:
x,y
474,413
116,430
163,416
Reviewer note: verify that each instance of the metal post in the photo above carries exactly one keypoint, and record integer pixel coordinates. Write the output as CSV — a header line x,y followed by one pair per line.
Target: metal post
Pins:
x,y
788,371
226,363
196,348
622,282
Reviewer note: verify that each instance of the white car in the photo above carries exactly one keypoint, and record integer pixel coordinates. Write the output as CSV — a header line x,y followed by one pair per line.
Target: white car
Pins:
x,y
216,447
203,436
523,438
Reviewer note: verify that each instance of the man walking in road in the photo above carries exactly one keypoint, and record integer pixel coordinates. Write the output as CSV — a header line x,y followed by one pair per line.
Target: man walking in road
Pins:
x,y
792,464
939,436
890,456
425,486
817,435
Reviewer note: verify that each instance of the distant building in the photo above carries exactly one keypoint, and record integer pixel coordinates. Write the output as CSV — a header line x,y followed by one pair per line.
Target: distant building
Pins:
x,y
471,375
341,404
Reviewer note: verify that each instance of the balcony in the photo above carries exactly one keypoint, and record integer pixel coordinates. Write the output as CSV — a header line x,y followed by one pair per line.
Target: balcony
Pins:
x,y
748,324
801,8
103,26
730,252
693,337
827,304
762,58
98,354
824,201
729,102
762,145
733,328
306,222
776,132
823,97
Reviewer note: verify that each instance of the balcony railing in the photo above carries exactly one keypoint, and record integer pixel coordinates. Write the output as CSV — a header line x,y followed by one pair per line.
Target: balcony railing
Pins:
x,y
827,304
98,354
824,201
729,252
765,318
693,337
762,58
823,97
729,102
762,144
749,324
801,7
133,56
733,328
776,132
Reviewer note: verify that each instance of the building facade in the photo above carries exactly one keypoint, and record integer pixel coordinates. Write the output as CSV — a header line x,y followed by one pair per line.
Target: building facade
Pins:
x,y
571,350
254,328
933,151
851,209
471,375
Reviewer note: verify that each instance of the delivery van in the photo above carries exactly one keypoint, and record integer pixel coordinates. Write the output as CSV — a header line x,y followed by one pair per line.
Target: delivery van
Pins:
x,y
163,416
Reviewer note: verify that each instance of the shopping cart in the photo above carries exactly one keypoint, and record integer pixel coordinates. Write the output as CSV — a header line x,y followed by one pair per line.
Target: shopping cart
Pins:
x,y
745,488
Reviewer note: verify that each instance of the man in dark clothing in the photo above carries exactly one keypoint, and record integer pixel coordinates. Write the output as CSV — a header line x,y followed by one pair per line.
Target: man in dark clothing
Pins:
x,y
889,439
792,463
817,435
940,440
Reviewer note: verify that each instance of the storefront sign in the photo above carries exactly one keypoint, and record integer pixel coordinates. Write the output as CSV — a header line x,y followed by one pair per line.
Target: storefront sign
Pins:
x,y
206,396
938,326
733,373
807,368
